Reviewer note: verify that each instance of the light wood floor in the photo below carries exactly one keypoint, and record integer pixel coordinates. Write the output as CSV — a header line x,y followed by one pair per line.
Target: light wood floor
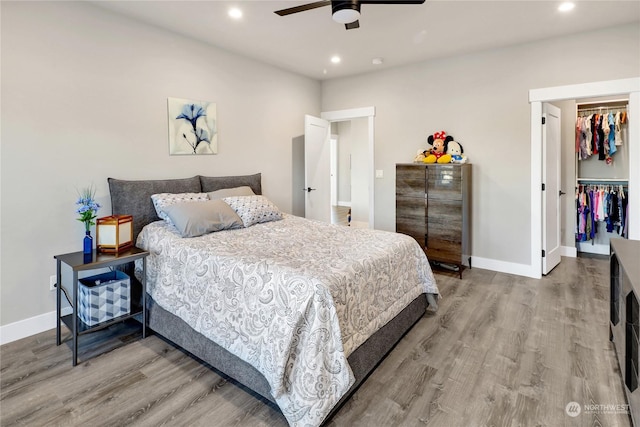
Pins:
x,y
501,351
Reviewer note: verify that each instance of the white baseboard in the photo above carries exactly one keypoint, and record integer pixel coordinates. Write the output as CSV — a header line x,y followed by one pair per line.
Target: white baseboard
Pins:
x,y
31,326
593,249
505,267
568,251
345,204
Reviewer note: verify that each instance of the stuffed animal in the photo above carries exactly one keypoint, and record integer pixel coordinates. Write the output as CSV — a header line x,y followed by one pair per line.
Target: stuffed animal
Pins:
x,y
455,150
438,152
420,155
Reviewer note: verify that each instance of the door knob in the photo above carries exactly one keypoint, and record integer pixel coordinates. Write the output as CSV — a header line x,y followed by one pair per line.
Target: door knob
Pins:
x,y
561,193
308,189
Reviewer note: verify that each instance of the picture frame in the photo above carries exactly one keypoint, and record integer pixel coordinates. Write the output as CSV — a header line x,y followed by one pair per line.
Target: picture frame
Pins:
x,y
192,127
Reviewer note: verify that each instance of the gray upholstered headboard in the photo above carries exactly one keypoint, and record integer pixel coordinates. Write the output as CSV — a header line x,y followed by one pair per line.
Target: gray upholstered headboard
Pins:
x,y
134,197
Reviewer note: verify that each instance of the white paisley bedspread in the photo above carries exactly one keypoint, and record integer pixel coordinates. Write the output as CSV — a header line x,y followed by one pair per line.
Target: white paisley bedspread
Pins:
x,y
292,297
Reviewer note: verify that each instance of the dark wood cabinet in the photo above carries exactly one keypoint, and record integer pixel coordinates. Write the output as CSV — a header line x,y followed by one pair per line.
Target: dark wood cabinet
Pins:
x,y
433,205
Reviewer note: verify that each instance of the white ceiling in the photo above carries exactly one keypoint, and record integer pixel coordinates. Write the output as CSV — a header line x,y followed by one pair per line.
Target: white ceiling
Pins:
x,y
401,34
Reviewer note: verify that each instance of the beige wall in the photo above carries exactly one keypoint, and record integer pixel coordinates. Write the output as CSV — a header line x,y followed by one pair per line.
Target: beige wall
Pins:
x,y
353,167
84,96
343,131
359,136
482,100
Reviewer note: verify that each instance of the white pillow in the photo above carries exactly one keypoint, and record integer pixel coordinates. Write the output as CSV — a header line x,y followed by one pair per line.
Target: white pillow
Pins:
x,y
231,192
253,209
163,200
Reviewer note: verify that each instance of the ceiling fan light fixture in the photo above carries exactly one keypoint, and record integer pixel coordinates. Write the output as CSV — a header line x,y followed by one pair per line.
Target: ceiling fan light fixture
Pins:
x,y
346,16
345,12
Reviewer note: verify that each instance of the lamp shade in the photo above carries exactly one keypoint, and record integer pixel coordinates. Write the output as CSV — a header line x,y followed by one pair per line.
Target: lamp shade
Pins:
x,y
114,233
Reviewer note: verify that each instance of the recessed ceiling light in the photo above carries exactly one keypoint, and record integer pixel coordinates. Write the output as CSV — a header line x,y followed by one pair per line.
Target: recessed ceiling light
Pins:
x,y
566,6
235,13
420,37
335,59
377,61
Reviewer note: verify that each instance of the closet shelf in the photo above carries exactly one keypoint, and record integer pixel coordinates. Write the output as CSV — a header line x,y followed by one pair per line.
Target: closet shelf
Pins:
x,y
603,179
609,105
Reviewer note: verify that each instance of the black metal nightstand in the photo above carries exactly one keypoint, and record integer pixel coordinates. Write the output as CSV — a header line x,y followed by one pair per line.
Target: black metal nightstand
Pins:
x,y
78,262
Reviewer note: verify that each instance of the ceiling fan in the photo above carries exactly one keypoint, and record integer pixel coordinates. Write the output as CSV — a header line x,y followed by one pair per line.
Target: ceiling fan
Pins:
x,y
346,12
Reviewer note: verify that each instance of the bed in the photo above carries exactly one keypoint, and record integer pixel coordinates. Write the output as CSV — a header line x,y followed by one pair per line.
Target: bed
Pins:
x,y
299,312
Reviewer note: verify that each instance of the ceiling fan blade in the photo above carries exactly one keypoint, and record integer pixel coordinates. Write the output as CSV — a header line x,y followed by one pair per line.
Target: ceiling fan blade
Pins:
x,y
391,1
352,25
303,7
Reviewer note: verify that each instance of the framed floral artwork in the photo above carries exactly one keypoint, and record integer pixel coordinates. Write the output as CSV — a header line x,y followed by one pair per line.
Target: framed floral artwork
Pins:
x,y
192,127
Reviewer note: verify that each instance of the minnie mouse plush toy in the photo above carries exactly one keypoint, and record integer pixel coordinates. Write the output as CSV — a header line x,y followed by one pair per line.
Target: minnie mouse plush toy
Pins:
x,y
438,152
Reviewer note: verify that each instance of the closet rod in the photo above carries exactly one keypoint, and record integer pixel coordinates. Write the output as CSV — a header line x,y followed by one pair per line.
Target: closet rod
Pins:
x,y
601,185
602,110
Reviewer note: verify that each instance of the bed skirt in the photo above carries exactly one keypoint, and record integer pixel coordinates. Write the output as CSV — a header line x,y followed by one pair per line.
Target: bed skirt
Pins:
x,y
362,361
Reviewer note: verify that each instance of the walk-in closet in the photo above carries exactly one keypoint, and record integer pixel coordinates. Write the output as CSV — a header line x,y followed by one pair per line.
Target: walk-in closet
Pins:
x,y
602,174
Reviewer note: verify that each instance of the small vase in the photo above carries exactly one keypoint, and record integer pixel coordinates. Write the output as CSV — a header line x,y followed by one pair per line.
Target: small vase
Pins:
x,y
88,244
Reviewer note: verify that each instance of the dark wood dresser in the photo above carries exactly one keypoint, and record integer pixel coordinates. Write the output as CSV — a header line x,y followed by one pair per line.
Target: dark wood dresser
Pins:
x,y
433,205
624,322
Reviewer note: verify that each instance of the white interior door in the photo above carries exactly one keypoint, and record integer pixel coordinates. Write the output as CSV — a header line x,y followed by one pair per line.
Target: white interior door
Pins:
x,y
317,167
551,169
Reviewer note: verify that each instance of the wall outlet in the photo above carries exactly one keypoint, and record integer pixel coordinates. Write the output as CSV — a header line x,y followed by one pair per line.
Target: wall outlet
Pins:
x,y
52,283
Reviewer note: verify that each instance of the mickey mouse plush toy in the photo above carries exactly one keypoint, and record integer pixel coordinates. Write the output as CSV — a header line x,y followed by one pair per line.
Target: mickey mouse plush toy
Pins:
x,y
438,152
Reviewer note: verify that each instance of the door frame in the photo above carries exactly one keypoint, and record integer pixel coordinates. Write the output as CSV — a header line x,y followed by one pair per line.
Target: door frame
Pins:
x,y
537,97
357,113
333,154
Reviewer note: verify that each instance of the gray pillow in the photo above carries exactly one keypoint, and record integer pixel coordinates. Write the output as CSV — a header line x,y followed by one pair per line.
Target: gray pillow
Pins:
x,y
163,200
134,197
213,183
231,192
196,219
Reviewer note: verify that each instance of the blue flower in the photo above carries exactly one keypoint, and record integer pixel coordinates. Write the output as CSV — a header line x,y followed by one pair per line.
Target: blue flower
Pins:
x,y
87,207
191,113
203,135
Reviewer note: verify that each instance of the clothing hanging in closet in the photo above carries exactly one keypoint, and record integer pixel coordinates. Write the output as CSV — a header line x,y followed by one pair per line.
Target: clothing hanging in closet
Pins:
x,y
601,203
599,133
